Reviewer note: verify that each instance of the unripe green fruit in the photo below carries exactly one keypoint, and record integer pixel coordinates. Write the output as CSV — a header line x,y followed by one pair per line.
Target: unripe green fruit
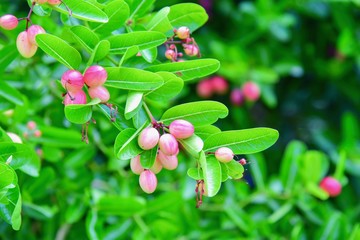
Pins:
x,y
183,32
181,129
148,181
8,22
24,46
148,138
33,31
224,154
99,92
95,76
168,144
135,165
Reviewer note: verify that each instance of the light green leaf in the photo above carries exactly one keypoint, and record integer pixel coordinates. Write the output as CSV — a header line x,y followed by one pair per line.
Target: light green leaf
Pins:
x,y
11,94
212,174
7,54
159,22
198,113
126,144
130,52
139,7
224,172
148,157
101,51
60,50
205,131
234,169
8,176
142,39
245,141
133,104
117,11
313,165
172,86
150,54
193,145
83,10
120,206
87,38
188,70
132,79
195,173
80,113
190,15
11,212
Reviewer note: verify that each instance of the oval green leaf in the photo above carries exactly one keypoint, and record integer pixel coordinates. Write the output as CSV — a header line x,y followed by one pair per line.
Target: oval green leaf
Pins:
x,y
120,206
212,174
101,51
126,145
234,169
80,113
245,141
59,49
172,86
87,38
193,145
187,14
133,104
198,113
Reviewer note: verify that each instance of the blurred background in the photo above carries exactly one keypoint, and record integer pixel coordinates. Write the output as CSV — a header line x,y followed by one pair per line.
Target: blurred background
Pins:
x,y
303,57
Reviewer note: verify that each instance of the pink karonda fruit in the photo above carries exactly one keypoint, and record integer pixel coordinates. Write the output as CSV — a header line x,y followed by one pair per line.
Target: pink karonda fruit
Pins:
x,y
148,138
181,129
331,185
72,80
34,30
224,154
8,22
99,92
24,46
148,181
168,144
95,76
135,165
183,32
78,97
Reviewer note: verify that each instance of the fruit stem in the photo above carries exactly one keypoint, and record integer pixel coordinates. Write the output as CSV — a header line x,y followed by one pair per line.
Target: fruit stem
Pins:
x,y
148,112
29,15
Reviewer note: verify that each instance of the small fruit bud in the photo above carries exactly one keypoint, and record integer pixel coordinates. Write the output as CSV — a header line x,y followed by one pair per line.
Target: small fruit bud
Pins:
x,y
95,76
8,22
170,54
224,154
242,161
24,46
191,50
78,97
72,80
219,84
37,133
204,88
168,162
183,32
237,97
148,138
331,185
148,181
33,31
54,2
99,92
168,144
181,129
135,165
31,125
251,91
156,167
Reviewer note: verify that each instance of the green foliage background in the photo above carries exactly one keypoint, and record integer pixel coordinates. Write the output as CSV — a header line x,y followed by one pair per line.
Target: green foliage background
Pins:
x,y
305,57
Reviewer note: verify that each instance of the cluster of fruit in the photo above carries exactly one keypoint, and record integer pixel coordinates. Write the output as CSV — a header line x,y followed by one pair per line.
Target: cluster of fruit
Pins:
x,y
250,91
94,77
189,45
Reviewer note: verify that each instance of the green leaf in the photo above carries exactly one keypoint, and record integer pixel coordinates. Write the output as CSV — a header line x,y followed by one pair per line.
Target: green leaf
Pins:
x,y
264,75
139,7
190,15
150,54
224,172
313,165
212,174
148,157
198,113
8,176
60,50
126,144
188,70
101,50
83,10
116,116
132,79
205,131
87,38
172,86
234,169
133,104
246,141
20,156
80,113
142,39
140,118
130,52
11,94
7,54
195,173
11,212
118,12
160,22
120,206
193,145
289,164
39,212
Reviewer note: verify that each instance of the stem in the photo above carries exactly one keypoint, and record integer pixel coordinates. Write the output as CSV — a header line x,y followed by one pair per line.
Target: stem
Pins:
x,y
173,42
112,60
148,112
139,221
29,15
